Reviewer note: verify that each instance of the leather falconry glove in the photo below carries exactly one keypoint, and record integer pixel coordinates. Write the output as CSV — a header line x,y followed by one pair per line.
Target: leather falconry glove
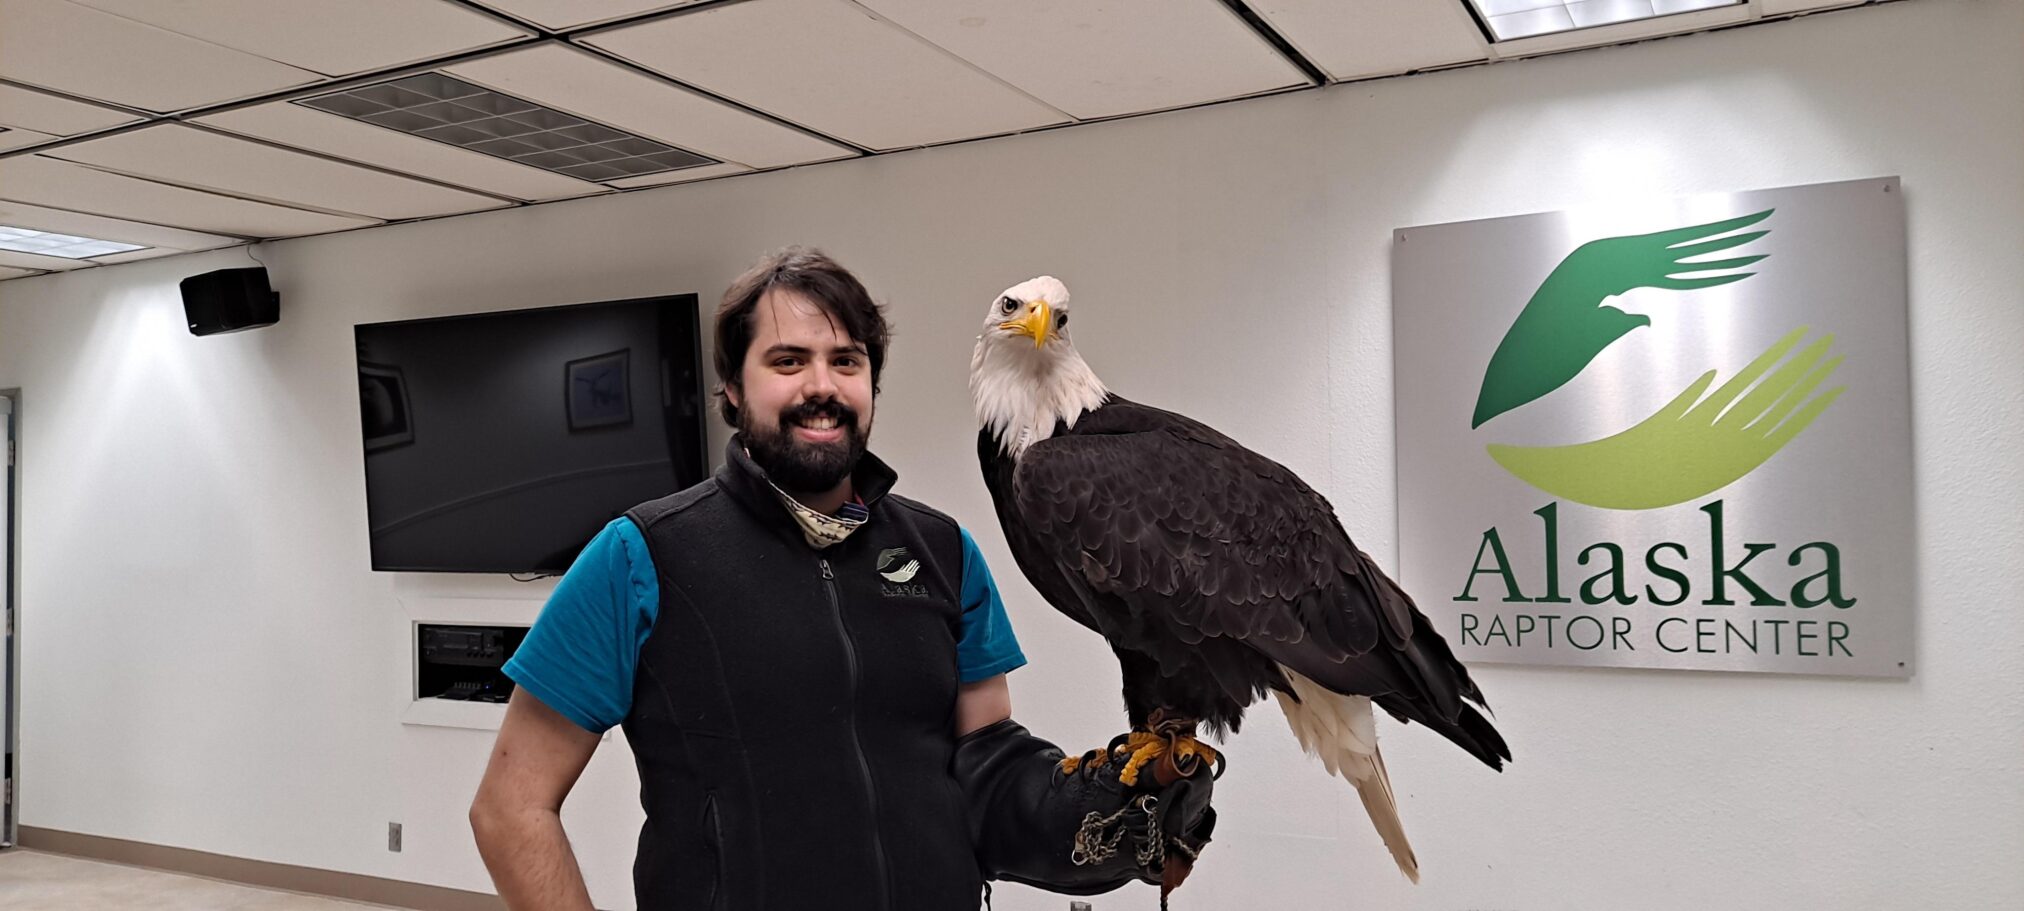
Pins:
x,y
1077,832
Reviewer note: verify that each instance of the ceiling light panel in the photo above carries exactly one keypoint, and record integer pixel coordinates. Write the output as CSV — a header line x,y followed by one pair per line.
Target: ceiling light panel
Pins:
x,y
1356,39
1103,59
1510,20
333,37
82,51
831,66
67,246
449,110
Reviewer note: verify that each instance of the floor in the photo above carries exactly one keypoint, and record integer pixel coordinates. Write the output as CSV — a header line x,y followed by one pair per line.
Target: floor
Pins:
x,y
37,881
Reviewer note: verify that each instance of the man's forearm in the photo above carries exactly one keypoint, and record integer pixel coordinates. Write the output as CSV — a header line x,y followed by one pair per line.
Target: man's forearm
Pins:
x,y
530,860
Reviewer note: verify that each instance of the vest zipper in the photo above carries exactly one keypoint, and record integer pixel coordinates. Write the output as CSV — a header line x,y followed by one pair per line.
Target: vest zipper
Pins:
x,y
863,767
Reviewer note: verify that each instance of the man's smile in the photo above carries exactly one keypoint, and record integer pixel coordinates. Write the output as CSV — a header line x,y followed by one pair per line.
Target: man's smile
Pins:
x,y
817,428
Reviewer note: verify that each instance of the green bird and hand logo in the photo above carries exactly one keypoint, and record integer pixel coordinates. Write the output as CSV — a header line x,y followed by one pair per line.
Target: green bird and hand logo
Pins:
x,y
1699,442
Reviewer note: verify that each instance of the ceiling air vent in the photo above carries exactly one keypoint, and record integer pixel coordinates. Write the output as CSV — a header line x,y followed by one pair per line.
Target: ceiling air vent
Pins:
x,y
450,110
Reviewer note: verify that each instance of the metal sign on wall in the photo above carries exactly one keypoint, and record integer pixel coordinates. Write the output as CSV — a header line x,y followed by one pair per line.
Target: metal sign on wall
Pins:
x,y
1664,433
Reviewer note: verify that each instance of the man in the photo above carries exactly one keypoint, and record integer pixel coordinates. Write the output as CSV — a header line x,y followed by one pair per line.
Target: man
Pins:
x,y
810,670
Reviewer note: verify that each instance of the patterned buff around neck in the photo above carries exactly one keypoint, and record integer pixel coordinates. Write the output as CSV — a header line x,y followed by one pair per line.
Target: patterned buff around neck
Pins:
x,y
822,530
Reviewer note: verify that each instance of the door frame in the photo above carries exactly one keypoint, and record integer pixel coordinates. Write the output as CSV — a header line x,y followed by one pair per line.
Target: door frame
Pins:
x,y
10,638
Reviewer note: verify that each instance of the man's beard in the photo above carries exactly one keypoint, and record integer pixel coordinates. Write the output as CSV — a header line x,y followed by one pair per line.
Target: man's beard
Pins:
x,y
799,466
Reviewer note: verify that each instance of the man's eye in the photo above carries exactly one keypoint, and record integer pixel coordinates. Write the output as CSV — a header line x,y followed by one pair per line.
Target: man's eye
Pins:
x,y
787,362
1008,304
846,361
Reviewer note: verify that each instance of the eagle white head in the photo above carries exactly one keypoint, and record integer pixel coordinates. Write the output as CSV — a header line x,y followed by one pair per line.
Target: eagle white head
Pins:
x,y
1025,374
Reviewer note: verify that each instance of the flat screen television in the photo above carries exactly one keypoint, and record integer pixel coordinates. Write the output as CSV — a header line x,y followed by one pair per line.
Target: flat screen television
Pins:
x,y
501,442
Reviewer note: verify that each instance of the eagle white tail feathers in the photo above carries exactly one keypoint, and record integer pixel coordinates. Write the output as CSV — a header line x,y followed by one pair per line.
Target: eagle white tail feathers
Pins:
x,y
1341,732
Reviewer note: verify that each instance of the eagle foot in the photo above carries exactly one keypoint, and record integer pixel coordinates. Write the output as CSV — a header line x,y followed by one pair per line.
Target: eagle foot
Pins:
x,y
1170,756
1168,746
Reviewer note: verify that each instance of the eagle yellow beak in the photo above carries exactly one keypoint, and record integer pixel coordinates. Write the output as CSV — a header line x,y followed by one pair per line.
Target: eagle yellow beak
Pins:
x,y
1037,322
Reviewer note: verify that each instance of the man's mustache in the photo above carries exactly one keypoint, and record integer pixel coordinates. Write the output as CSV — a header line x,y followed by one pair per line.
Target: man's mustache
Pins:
x,y
844,415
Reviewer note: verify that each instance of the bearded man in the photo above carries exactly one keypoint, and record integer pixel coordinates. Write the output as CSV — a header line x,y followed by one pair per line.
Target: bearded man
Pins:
x,y
809,669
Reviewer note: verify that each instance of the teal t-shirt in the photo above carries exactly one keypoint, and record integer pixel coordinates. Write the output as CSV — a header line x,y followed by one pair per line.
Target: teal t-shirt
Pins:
x,y
579,657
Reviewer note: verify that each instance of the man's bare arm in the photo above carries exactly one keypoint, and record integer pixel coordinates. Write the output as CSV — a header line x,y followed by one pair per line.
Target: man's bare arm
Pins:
x,y
982,704
517,815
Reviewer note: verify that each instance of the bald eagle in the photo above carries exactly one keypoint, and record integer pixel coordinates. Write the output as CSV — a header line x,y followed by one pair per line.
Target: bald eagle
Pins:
x,y
1216,574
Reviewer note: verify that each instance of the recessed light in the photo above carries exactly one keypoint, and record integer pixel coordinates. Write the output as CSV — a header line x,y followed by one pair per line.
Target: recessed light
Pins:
x,y
1510,20
450,110
67,246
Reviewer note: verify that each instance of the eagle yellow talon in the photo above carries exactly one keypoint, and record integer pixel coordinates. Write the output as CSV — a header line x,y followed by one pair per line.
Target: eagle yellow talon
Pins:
x,y
1189,746
1146,748
1143,747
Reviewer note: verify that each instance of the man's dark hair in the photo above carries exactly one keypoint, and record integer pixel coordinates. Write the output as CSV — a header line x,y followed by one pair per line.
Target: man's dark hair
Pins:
x,y
816,277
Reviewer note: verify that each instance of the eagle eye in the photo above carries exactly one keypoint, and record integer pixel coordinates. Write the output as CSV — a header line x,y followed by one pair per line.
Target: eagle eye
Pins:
x,y
1007,304
1060,321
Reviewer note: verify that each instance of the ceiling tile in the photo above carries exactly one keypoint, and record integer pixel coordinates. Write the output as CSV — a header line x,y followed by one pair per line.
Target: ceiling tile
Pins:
x,y
16,137
334,37
43,112
684,175
1098,60
16,260
225,164
1353,39
61,185
129,62
576,81
563,14
1781,7
58,221
832,66
149,253
295,125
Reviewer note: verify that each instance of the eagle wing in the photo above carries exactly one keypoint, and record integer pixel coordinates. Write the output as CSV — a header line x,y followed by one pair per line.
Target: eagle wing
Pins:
x,y
1185,535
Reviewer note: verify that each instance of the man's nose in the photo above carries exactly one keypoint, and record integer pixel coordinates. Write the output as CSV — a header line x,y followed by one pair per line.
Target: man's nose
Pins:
x,y
818,382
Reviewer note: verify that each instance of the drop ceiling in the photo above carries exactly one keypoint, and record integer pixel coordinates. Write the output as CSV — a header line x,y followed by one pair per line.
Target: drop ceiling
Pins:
x,y
178,125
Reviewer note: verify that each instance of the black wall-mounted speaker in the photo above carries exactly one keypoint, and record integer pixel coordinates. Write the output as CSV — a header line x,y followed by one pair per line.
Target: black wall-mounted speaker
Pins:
x,y
229,300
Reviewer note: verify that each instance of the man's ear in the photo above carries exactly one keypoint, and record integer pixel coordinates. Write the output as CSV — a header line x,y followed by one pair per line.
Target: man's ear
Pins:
x,y
732,392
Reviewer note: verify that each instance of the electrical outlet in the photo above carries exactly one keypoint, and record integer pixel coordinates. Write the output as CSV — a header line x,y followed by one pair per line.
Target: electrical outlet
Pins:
x,y
394,837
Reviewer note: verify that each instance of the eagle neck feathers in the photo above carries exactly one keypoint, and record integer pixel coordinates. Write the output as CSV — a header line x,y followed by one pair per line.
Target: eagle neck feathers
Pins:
x,y
1022,394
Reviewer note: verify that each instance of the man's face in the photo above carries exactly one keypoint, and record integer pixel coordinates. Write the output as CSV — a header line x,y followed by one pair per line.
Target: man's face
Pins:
x,y
803,395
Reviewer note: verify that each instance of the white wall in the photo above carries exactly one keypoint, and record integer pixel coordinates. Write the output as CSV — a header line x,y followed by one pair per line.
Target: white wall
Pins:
x,y
209,664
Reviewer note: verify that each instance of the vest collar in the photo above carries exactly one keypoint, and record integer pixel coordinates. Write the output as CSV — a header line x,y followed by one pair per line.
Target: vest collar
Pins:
x,y
746,482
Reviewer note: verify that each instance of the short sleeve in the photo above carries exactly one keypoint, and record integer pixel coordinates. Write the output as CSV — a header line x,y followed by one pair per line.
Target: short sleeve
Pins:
x,y
988,647
579,657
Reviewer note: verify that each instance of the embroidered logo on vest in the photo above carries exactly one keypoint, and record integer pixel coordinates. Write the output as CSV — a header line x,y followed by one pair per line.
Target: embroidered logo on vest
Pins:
x,y
898,568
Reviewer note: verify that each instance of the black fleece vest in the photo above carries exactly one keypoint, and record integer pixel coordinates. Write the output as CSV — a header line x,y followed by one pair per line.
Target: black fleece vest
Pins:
x,y
793,709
